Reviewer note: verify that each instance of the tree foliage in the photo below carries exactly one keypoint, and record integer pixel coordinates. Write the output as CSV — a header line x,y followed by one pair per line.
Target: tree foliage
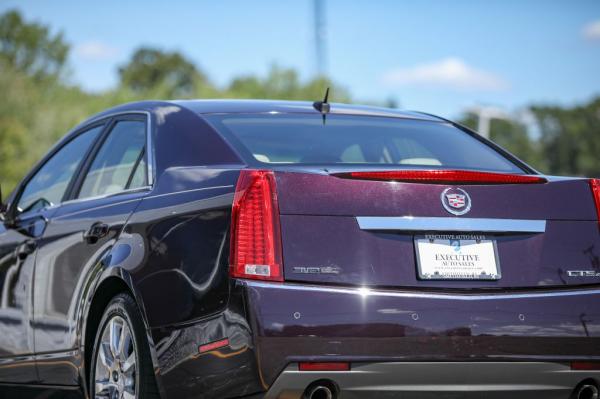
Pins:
x,y
570,138
150,68
38,106
30,47
512,136
284,84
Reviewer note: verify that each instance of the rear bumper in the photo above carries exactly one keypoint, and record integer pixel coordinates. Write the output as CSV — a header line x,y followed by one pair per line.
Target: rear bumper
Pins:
x,y
428,380
293,323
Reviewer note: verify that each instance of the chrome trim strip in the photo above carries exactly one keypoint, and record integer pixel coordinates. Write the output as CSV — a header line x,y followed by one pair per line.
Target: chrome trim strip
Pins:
x,y
150,158
150,167
95,208
115,194
187,191
368,292
411,223
132,191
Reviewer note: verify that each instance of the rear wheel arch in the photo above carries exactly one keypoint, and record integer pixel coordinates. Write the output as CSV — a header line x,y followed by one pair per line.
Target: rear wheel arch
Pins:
x,y
105,291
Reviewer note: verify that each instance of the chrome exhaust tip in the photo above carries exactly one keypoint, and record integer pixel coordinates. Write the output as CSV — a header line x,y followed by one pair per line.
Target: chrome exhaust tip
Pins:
x,y
320,390
587,391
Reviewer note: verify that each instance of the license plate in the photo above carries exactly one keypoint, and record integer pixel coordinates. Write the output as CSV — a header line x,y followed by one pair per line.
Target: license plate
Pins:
x,y
457,257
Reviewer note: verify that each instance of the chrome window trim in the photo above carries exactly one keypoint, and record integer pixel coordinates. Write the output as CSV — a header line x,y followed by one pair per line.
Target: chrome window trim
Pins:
x,y
103,206
150,167
451,224
150,157
78,130
97,197
141,189
189,191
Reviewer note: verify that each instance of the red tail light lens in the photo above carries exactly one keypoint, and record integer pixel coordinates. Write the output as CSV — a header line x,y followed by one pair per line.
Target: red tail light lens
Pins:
x,y
255,230
324,366
444,176
595,186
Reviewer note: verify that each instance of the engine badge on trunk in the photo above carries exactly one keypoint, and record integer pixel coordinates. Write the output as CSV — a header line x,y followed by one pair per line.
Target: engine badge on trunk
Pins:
x,y
456,201
583,273
316,270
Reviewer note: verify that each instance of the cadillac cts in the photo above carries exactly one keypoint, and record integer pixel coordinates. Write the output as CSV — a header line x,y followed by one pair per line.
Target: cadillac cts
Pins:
x,y
221,249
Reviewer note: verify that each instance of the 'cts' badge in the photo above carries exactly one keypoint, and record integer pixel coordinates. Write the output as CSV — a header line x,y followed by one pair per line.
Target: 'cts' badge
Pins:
x,y
456,201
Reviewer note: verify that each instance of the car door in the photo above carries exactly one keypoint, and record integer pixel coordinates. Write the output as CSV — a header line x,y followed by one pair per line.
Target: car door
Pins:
x,y
36,202
17,257
110,186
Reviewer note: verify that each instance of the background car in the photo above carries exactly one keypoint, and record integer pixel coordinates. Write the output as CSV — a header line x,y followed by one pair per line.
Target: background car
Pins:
x,y
224,249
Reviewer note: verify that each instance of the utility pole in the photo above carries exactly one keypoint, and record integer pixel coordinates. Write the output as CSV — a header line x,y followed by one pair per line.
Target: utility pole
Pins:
x,y
485,114
320,36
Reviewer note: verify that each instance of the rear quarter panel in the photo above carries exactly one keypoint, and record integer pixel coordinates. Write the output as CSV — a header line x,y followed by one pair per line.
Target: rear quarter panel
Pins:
x,y
183,229
181,234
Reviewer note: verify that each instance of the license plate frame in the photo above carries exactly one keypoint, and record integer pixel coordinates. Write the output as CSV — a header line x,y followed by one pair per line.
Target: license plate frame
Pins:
x,y
457,269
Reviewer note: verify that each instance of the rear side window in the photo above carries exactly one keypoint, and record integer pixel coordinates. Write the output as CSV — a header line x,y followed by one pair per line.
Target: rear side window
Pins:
x,y
119,164
47,187
345,139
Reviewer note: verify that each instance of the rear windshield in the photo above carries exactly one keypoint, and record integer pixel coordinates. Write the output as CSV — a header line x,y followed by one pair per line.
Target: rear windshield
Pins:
x,y
344,139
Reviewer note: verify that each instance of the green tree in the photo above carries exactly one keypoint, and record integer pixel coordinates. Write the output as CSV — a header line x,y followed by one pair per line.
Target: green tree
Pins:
x,y
570,138
30,47
38,106
285,84
151,69
19,94
511,135
31,62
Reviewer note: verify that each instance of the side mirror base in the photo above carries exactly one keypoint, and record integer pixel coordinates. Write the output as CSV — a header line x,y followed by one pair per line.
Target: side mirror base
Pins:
x,y
5,216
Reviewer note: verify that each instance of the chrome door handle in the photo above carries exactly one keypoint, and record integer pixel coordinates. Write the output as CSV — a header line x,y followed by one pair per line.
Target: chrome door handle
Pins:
x,y
96,232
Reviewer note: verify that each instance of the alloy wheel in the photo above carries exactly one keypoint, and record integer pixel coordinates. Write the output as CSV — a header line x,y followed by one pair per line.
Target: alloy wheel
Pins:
x,y
116,362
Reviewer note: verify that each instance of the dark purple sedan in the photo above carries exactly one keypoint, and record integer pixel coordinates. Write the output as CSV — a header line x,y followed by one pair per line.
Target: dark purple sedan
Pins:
x,y
256,249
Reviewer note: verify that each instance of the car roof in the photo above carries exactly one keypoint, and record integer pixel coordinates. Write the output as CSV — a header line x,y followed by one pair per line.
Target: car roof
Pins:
x,y
266,107
281,106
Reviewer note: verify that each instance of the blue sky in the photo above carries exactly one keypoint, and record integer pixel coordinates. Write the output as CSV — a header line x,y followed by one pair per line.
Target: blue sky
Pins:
x,y
433,56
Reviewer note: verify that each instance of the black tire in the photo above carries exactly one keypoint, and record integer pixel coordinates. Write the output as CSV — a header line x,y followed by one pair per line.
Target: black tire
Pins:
x,y
123,307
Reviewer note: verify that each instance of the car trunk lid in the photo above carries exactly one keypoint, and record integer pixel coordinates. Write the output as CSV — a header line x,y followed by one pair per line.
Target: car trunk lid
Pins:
x,y
341,229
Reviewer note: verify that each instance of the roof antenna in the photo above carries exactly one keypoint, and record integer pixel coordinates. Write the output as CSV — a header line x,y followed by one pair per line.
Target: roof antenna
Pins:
x,y
323,106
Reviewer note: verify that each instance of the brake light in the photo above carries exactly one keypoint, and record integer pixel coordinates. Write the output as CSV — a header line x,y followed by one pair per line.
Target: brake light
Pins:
x,y
595,186
324,366
255,231
443,176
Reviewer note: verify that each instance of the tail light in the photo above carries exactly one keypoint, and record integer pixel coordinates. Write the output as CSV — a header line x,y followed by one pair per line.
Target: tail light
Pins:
x,y
255,231
443,176
595,186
